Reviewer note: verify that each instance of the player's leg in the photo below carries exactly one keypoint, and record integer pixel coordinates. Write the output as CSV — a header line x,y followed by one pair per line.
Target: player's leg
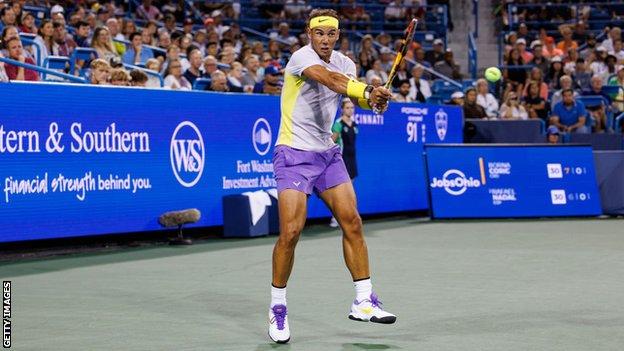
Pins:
x,y
292,215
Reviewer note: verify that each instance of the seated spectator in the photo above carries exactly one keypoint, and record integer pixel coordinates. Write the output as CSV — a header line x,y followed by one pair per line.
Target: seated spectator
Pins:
x,y
536,77
234,77
582,77
566,83
148,12
436,54
82,34
147,38
296,9
3,75
354,12
471,108
138,78
394,11
419,88
174,78
102,43
271,84
618,80
590,47
611,62
567,43
487,99
100,72
228,55
7,17
251,75
514,77
552,135
210,65
368,54
555,73
386,58
153,65
195,60
16,52
598,66
539,60
120,77
28,24
521,46
8,32
218,82
113,28
136,53
376,81
618,51
457,99
62,46
534,103
569,115
550,50
403,94
448,67
614,34
512,109
599,113
376,70
44,39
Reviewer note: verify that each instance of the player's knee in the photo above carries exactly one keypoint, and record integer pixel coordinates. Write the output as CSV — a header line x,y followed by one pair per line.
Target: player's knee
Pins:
x,y
290,235
352,224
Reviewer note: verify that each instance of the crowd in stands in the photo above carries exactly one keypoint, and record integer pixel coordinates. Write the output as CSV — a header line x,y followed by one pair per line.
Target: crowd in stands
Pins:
x,y
168,38
551,61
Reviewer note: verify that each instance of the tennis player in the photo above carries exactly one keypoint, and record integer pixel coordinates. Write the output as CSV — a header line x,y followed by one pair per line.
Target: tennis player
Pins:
x,y
306,159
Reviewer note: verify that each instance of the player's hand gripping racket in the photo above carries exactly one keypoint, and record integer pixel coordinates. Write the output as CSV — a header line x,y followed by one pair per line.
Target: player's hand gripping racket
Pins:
x,y
406,42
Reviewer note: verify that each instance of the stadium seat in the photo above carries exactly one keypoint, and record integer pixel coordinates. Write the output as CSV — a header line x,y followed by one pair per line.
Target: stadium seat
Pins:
x,y
55,62
83,54
201,83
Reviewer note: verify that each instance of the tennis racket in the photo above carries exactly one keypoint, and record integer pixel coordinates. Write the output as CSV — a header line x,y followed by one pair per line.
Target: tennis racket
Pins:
x,y
407,41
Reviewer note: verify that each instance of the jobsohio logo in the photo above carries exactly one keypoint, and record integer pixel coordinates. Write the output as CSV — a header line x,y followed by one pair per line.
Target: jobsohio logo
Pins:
x,y
187,154
455,182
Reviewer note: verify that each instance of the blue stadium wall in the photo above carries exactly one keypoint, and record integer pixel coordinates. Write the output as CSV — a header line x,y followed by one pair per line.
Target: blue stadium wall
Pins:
x,y
84,160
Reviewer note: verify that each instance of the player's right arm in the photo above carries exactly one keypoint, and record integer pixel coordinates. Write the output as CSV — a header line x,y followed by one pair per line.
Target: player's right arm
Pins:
x,y
350,87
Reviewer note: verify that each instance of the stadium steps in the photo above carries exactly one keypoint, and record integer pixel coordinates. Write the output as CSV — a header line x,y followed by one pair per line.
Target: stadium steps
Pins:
x,y
487,44
461,13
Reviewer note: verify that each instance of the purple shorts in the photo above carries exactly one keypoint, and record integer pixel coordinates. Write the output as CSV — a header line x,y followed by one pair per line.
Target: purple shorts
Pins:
x,y
308,171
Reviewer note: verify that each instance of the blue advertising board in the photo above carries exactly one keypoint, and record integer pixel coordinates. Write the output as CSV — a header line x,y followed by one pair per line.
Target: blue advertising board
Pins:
x,y
485,181
84,160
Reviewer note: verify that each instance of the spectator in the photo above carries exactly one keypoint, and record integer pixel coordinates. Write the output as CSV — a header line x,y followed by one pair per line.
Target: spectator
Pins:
x,y
210,65
534,103
394,11
419,88
403,94
227,55
367,54
195,60
353,12
569,115
523,32
148,12
113,27
419,57
129,27
7,17
552,135
283,35
599,113
565,82
28,23
610,61
138,78
567,43
173,53
119,77
471,108
555,73
234,77
590,47
618,81
618,51
164,42
448,67
174,78
580,32
147,38
100,72
598,66
251,76
614,34
538,57
8,32
437,54
169,23
536,77
137,54
550,50
512,109
387,59
376,70
457,98
376,81
486,99
153,65
570,61
521,46
401,74
16,52
582,77
218,82
103,45
271,84
296,9
62,46
82,34
187,26
3,75
45,39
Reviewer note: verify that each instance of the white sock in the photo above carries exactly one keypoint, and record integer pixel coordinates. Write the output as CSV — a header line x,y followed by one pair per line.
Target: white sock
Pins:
x,y
278,296
363,289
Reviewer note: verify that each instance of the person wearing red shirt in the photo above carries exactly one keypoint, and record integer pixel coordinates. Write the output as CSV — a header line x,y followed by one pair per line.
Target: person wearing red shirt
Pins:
x,y
16,52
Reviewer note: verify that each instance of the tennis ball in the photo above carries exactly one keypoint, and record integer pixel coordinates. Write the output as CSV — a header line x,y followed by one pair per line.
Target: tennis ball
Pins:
x,y
492,74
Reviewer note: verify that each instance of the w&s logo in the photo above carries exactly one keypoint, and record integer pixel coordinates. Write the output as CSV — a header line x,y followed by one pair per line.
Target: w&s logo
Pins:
x,y
187,153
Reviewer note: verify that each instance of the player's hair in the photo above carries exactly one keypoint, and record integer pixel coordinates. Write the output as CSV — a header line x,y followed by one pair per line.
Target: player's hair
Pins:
x,y
321,12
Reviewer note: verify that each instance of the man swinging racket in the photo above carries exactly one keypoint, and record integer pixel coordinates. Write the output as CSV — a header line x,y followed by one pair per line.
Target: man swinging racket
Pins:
x,y
306,160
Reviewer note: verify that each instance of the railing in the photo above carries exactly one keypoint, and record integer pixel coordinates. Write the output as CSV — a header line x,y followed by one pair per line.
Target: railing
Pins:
x,y
475,12
472,56
427,69
69,77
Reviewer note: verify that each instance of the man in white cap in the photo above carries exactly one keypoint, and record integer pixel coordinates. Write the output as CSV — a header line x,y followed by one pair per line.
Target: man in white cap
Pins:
x,y
457,98
521,46
437,54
